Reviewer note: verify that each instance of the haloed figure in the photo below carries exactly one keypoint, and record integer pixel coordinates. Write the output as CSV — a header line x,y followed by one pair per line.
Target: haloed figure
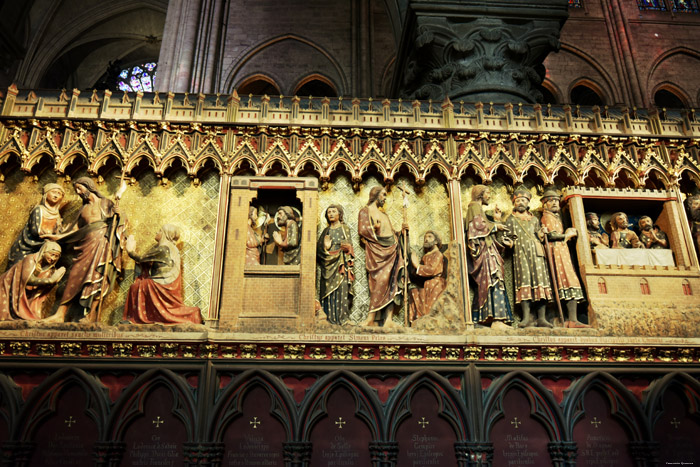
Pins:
x,y
156,294
336,258
89,234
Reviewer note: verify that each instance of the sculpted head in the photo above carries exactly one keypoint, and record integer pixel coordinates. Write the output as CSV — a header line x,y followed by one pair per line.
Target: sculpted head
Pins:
x,y
592,221
618,221
169,232
645,223
550,200
481,193
693,204
84,186
53,194
50,252
521,199
335,212
377,194
431,239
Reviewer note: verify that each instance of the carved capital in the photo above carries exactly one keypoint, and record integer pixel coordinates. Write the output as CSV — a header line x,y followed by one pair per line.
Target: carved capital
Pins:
x,y
477,52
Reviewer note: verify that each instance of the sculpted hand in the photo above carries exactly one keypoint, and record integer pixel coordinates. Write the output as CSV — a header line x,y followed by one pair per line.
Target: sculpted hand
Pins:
x,y
58,274
277,238
115,210
570,233
404,227
346,247
377,225
507,241
327,242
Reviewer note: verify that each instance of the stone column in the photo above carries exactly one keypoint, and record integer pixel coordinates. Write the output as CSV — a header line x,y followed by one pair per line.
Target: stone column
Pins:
x,y
563,453
190,49
384,454
297,453
477,50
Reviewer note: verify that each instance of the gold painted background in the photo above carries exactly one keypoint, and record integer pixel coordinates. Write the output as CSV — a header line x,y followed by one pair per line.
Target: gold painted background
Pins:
x,y
147,205
429,209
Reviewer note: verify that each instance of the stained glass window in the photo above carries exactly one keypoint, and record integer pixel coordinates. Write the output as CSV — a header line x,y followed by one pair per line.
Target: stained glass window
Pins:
x,y
575,3
138,78
651,5
686,6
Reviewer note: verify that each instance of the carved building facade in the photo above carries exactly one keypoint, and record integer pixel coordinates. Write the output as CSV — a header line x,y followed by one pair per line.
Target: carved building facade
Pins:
x,y
266,380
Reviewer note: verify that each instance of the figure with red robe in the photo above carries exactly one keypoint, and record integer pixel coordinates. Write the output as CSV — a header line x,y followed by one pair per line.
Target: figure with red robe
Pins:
x,y
384,260
564,276
25,286
44,220
485,263
429,275
156,294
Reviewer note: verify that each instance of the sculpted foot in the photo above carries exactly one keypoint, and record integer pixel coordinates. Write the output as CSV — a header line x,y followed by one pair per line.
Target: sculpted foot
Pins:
x,y
543,323
369,321
389,323
575,325
55,318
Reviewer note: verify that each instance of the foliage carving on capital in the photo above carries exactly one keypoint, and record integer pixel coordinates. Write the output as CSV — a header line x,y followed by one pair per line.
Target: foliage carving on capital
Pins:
x,y
479,60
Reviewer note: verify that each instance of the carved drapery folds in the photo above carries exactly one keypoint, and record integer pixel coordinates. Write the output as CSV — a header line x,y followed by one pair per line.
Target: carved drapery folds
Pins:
x,y
477,51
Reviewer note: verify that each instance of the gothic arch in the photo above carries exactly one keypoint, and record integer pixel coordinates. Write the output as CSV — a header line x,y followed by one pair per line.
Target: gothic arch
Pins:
x,y
653,396
665,56
44,53
42,401
673,89
314,77
623,406
367,404
591,84
543,406
10,401
451,405
230,403
245,57
590,60
131,403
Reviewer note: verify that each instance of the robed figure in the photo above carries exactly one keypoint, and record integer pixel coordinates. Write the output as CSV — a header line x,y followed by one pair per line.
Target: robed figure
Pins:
x,y
156,294
564,276
44,220
25,286
485,263
530,277
253,239
383,259
96,242
288,237
428,278
336,259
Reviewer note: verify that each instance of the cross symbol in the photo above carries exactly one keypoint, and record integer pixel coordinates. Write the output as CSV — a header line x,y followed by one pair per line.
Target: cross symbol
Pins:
x,y
158,422
516,423
340,422
596,422
70,421
675,422
255,422
422,422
